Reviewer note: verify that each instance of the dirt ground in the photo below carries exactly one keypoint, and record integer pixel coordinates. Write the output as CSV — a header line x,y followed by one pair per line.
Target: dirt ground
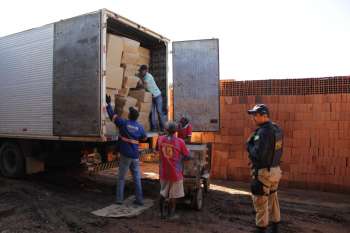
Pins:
x,y
61,201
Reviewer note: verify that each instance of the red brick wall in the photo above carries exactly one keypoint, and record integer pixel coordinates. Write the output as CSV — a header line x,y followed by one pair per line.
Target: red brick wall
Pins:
x,y
316,145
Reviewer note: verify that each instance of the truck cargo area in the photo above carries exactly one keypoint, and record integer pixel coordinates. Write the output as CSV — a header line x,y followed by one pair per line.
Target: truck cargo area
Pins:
x,y
157,63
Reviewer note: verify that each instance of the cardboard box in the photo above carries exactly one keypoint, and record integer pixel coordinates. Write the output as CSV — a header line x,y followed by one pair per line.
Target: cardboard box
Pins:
x,y
144,56
144,117
115,46
141,95
126,102
123,113
130,70
144,120
130,58
131,81
144,52
114,77
144,107
123,92
130,45
143,61
146,126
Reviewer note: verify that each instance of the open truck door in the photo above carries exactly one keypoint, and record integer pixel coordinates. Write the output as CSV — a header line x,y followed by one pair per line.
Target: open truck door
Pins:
x,y
196,83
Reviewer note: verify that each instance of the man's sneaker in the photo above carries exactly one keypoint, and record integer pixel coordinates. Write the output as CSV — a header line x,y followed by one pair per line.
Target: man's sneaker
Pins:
x,y
119,203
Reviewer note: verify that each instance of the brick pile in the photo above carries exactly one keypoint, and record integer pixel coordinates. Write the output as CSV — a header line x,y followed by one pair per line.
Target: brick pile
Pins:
x,y
317,135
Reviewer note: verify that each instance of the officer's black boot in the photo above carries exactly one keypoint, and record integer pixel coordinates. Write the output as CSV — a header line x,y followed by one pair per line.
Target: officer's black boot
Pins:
x,y
162,207
275,227
260,230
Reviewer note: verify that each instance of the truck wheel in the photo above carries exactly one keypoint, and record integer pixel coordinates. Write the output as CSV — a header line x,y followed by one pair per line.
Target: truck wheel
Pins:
x,y
197,200
12,162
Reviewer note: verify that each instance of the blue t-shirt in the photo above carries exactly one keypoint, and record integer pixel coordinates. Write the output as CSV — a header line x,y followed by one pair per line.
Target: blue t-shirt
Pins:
x,y
131,130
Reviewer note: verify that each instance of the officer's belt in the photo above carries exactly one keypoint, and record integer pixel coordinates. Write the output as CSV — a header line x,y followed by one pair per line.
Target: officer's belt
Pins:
x,y
128,140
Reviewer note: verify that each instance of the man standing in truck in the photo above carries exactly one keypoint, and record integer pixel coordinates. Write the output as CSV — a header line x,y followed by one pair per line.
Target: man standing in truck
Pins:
x,y
131,132
172,150
157,102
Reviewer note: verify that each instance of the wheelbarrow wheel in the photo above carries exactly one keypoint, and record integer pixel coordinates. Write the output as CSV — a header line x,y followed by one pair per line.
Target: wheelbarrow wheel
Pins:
x,y
197,199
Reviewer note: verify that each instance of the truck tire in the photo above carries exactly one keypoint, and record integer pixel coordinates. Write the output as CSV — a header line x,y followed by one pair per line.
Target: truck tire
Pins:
x,y
12,161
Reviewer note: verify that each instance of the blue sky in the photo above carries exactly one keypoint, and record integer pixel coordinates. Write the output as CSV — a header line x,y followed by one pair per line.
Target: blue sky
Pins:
x,y
258,39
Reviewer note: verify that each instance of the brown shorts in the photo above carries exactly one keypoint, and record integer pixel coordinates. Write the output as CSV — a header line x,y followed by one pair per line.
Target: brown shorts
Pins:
x,y
169,189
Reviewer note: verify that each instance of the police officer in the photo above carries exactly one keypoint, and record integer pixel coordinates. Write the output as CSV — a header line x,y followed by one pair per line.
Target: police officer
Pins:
x,y
265,150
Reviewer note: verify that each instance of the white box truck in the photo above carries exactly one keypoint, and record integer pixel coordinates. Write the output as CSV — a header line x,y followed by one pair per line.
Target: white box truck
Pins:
x,y
53,87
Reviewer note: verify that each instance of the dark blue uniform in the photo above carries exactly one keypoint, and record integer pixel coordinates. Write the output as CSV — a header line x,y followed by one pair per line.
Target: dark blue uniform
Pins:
x,y
265,152
130,133
128,129
265,146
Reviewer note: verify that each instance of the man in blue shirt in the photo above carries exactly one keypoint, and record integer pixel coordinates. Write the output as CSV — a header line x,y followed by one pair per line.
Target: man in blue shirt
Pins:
x,y
157,103
130,132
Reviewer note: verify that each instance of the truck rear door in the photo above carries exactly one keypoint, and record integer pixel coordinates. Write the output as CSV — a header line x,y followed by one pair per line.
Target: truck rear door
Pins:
x,y
196,83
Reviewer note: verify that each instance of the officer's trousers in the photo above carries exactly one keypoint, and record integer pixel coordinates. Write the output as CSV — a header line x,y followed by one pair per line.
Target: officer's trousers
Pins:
x,y
268,203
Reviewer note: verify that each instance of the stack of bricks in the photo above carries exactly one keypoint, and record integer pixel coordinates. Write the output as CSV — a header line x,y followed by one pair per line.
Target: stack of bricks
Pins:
x,y
316,124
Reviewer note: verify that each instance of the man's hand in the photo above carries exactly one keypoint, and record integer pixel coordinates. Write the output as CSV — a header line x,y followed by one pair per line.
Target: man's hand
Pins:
x,y
250,137
108,99
140,84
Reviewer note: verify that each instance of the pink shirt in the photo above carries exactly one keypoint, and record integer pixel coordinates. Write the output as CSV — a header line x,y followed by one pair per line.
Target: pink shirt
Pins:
x,y
171,151
185,132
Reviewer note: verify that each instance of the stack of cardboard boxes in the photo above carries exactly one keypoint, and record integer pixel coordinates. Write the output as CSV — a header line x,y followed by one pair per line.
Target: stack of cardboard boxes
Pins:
x,y
114,73
144,105
129,60
124,57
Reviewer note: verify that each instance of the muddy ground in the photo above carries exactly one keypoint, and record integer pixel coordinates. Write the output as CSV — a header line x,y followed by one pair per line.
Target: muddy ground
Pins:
x,y
61,201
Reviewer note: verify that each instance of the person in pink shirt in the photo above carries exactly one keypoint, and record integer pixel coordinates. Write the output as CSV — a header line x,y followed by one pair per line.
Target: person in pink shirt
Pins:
x,y
184,129
172,150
